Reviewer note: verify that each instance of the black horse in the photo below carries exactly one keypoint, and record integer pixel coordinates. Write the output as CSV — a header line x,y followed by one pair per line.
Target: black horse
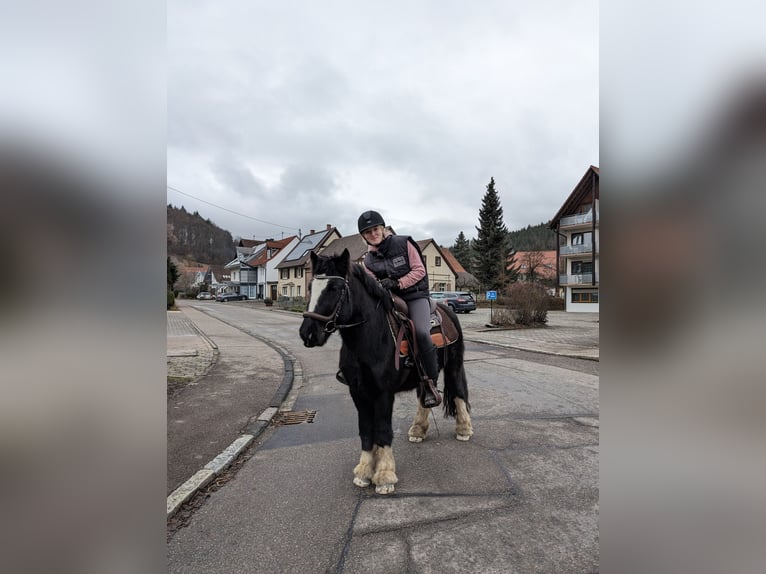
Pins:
x,y
346,298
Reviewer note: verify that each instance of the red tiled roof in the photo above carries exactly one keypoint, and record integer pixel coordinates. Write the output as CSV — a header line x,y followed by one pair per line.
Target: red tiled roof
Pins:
x,y
263,255
545,262
451,260
249,242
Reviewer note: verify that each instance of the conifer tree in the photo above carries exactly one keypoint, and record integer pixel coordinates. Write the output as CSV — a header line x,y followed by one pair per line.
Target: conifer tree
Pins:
x,y
490,247
462,251
173,274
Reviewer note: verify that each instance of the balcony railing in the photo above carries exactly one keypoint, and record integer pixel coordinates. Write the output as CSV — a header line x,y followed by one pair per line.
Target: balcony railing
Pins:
x,y
578,219
573,249
580,279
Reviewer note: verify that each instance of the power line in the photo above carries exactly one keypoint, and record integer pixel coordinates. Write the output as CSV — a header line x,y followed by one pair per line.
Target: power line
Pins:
x,y
229,210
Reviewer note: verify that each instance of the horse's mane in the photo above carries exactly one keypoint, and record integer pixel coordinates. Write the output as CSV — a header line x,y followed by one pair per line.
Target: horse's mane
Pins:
x,y
372,286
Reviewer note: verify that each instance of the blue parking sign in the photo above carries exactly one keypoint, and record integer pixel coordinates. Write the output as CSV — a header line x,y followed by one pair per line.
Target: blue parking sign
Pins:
x,y
491,295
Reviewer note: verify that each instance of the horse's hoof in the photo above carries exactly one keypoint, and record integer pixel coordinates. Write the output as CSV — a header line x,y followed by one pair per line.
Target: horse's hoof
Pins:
x,y
463,437
416,439
384,489
361,482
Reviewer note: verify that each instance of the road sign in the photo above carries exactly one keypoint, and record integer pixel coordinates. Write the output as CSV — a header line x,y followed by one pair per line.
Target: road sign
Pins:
x,y
491,295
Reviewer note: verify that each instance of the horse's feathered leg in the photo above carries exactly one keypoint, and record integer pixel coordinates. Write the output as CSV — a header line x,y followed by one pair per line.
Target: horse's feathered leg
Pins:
x,y
420,425
364,470
365,418
385,470
463,426
456,391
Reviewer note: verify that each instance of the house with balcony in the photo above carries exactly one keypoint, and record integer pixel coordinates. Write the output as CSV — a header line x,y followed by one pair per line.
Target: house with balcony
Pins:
x,y
577,225
295,269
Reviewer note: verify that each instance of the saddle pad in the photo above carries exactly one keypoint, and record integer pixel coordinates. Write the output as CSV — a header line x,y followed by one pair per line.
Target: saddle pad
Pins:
x,y
437,338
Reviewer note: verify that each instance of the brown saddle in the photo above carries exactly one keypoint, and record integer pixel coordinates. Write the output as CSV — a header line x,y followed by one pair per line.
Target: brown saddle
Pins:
x,y
443,329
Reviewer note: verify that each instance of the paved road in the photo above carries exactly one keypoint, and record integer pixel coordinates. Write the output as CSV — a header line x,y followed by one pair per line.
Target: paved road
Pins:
x,y
521,496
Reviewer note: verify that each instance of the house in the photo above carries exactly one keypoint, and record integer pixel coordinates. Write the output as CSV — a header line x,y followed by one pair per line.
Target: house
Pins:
x,y
357,248
263,262
537,266
216,277
441,275
294,270
577,225
249,243
235,271
464,279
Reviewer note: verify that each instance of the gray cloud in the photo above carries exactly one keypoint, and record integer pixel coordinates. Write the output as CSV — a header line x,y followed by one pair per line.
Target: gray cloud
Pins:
x,y
311,113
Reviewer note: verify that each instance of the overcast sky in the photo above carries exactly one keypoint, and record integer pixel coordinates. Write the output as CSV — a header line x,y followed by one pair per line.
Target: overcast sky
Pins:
x,y
306,113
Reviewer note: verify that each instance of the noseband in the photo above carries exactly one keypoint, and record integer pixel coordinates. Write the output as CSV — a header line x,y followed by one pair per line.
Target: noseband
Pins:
x,y
330,321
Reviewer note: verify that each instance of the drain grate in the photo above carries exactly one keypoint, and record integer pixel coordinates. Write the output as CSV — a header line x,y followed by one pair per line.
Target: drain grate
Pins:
x,y
293,417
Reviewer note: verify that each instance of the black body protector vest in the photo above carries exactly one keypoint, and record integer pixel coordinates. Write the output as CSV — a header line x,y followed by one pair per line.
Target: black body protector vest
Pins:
x,y
391,260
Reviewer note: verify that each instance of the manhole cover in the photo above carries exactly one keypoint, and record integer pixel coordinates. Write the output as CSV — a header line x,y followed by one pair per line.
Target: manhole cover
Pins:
x,y
294,417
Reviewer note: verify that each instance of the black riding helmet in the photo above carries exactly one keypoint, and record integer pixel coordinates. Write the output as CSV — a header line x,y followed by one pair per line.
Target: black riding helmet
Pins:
x,y
370,219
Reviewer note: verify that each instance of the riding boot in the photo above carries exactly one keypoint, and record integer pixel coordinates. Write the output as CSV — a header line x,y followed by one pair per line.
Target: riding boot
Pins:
x,y
429,395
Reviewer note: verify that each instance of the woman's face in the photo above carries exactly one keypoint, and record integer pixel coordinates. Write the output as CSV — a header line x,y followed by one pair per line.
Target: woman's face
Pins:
x,y
373,235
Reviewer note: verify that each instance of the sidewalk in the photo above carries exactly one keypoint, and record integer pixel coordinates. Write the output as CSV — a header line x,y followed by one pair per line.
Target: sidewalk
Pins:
x,y
219,381
566,334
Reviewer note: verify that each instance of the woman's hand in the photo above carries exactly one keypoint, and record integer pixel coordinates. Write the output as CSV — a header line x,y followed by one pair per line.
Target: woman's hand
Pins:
x,y
388,283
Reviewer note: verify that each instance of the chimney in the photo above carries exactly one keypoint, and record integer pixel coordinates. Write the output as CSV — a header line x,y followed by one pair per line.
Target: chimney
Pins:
x,y
312,231
329,227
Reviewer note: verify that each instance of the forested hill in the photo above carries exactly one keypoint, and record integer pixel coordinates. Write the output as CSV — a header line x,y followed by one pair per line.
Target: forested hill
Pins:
x,y
193,238
533,238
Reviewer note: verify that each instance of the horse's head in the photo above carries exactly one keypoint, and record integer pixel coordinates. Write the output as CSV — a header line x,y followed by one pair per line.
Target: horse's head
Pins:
x,y
328,292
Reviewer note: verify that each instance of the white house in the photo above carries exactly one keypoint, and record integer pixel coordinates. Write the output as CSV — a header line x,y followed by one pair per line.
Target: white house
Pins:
x,y
577,250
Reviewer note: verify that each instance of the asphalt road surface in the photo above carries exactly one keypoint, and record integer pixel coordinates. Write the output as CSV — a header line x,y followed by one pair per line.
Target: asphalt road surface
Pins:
x,y
521,496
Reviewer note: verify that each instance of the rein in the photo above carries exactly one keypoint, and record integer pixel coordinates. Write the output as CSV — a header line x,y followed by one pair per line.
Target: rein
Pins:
x,y
331,321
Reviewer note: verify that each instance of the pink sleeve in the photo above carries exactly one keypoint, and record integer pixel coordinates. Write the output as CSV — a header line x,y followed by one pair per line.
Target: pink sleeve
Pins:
x,y
417,269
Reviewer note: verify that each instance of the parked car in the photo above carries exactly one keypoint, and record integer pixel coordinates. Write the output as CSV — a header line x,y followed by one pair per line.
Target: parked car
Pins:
x,y
223,297
204,295
459,301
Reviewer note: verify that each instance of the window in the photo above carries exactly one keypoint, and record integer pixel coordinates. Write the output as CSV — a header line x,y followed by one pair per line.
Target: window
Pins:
x,y
425,261
581,296
582,267
298,293
582,238
284,274
284,290
438,261
298,272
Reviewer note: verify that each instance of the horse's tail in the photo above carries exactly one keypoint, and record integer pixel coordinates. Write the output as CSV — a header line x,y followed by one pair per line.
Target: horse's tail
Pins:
x,y
455,382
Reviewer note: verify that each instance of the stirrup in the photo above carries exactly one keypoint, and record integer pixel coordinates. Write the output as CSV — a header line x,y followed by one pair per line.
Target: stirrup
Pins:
x,y
429,394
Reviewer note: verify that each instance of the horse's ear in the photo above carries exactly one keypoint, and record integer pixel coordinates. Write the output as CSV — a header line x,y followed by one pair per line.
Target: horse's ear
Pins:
x,y
343,261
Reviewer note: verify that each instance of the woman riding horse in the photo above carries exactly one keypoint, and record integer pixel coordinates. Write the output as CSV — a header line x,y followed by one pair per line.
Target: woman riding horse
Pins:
x,y
346,298
396,261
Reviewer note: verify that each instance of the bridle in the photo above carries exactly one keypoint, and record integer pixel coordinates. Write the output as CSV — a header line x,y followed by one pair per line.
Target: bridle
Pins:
x,y
331,321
